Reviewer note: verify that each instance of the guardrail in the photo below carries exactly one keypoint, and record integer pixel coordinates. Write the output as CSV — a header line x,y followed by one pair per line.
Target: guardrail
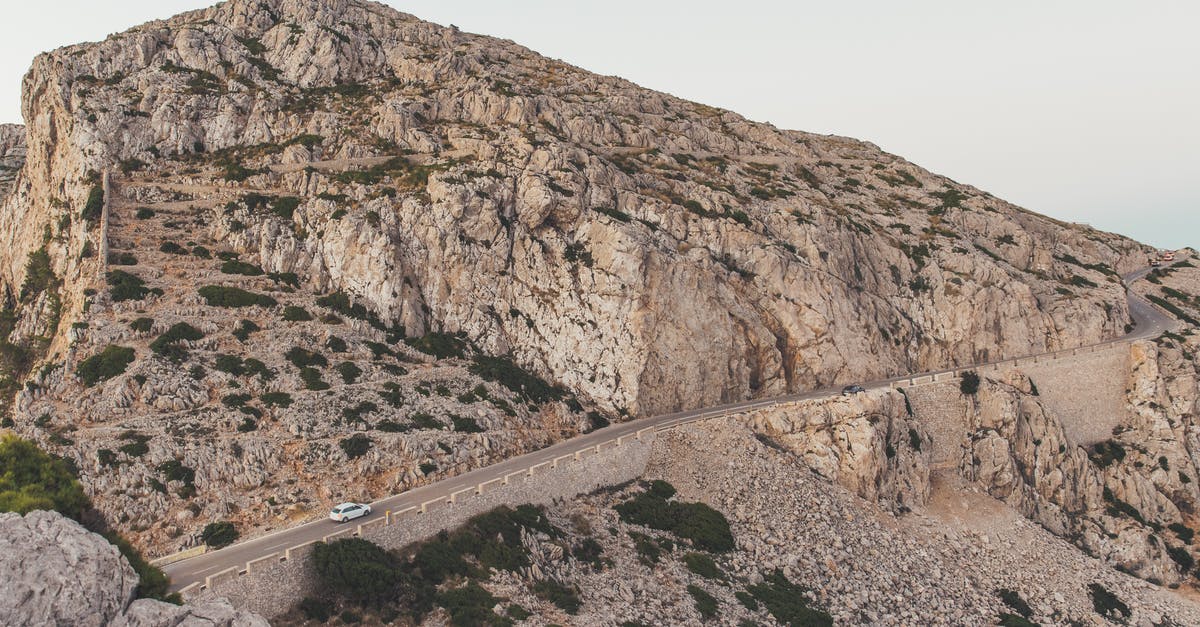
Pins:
x,y
391,517
180,556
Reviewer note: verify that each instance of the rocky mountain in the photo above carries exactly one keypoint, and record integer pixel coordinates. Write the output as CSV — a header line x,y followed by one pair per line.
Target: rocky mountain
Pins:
x,y
58,573
278,253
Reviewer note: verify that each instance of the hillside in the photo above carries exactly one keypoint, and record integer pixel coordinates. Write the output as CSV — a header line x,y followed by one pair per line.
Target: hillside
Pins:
x,y
346,251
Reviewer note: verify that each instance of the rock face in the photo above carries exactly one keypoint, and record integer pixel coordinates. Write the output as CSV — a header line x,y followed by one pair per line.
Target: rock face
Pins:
x,y
12,154
402,202
58,573
653,253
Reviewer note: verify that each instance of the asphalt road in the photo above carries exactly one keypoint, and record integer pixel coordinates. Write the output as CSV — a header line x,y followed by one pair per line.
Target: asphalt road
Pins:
x,y
1148,320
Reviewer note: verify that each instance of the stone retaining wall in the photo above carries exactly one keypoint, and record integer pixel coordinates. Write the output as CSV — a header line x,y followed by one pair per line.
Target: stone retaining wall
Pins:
x,y
273,584
1086,392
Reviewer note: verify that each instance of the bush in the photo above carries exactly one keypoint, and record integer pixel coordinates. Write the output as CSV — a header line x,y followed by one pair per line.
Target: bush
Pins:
x,y
219,534
172,248
788,602
969,384
355,446
312,379
285,207
355,569
144,213
124,286
276,399
316,609
503,371
705,527
336,344
220,296
111,362
349,371
94,207
292,313
34,480
244,329
168,346
142,325
469,606
1180,556
703,565
564,597
465,424
242,268
302,358
1106,603
706,603
440,345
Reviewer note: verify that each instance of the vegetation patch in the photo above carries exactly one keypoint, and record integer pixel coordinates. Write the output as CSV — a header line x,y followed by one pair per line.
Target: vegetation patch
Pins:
x,y
109,363
706,528
124,286
219,534
1106,603
969,383
168,344
706,603
234,266
505,372
788,602
440,345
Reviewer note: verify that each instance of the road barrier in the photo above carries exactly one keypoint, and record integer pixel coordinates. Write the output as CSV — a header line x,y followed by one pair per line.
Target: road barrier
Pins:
x,y
180,556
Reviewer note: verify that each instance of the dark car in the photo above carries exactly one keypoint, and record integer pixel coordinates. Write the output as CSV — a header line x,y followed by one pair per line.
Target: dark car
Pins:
x,y
851,390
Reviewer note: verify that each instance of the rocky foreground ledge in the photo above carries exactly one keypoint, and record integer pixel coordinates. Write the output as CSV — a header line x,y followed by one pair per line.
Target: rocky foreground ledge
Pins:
x,y
58,573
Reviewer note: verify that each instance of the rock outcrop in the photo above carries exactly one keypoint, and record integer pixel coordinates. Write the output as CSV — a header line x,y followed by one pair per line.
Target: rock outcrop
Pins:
x,y
253,245
58,573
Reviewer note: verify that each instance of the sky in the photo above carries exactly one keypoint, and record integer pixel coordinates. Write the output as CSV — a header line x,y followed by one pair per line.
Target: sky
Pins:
x,y
1084,110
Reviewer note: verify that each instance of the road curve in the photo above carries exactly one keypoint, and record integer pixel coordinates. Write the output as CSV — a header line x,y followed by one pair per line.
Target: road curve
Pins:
x,y
1148,321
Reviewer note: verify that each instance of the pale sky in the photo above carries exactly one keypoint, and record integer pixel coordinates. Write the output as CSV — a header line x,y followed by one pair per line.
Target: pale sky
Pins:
x,y
1085,110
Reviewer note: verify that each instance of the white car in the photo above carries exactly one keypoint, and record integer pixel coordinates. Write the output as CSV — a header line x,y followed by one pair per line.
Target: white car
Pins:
x,y
349,511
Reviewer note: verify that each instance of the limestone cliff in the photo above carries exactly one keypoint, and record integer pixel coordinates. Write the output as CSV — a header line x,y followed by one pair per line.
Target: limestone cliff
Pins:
x,y
326,218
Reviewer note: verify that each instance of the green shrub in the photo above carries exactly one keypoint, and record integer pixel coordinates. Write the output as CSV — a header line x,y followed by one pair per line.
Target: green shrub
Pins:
x,y
350,372
292,313
124,286
302,358
34,480
144,213
564,597
355,414
355,569
172,248
1182,557
221,296
109,363
244,329
316,609
168,346
219,534
285,207
440,345
122,259
969,383
706,603
356,445
648,551
703,526
788,602
336,344
1183,532
276,399
503,371
469,606
242,268
312,379
1106,603
703,565
589,551
465,424
94,207
142,325
427,468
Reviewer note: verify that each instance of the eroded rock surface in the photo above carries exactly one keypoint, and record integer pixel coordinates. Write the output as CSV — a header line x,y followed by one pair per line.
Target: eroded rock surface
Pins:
x,y
58,573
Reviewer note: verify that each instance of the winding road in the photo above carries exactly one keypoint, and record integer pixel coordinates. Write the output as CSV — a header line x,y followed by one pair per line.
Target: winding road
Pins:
x,y
1148,322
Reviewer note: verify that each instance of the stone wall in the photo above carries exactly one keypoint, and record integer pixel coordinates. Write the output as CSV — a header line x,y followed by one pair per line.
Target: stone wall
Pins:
x,y
274,584
1086,392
